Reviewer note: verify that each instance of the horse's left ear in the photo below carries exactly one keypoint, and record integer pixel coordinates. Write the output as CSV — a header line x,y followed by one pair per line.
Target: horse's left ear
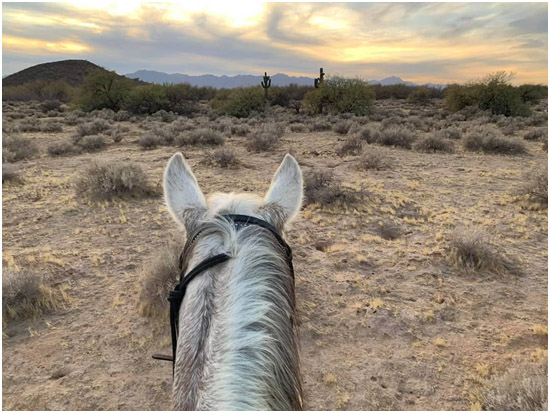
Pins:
x,y
286,188
181,190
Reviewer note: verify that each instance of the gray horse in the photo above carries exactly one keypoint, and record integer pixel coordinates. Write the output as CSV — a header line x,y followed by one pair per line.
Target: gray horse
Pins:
x,y
237,346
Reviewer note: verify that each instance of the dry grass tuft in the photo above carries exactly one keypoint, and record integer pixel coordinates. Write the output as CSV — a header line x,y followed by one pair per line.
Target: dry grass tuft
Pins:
x,y
106,181
434,143
26,294
389,230
342,127
10,174
487,141
92,143
16,148
521,388
203,136
223,157
352,146
397,136
374,158
63,149
471,249
267,138
158,277
535,185
322,188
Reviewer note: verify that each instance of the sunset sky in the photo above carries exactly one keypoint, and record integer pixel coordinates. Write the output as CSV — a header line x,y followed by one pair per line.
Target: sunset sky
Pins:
x,y
420,42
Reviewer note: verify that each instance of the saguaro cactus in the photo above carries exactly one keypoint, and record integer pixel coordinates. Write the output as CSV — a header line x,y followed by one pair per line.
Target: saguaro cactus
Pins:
x,y
319,81
266,83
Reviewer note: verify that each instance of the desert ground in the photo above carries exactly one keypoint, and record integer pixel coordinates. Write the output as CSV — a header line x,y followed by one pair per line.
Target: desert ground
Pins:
x,y
388,318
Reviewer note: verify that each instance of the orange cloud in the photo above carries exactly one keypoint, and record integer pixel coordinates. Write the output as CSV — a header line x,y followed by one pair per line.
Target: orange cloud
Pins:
x,y
36,46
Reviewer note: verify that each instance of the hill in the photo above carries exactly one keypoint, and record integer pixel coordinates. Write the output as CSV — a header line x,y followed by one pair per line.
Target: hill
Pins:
x,y
71,71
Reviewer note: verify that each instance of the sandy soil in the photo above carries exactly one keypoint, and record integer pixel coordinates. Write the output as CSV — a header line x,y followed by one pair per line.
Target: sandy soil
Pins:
x,y
383,324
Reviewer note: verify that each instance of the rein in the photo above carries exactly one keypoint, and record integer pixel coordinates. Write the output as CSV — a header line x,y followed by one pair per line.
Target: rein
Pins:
x,y
176,296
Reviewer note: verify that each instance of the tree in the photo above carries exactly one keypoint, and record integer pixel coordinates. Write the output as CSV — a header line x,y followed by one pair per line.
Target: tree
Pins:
x,y
104,89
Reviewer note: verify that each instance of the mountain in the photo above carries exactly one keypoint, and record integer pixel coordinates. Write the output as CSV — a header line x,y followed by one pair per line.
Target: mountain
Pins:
x,y
392,80
219,82
71,71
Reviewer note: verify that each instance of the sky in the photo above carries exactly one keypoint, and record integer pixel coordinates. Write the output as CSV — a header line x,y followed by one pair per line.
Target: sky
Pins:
x,y
420,42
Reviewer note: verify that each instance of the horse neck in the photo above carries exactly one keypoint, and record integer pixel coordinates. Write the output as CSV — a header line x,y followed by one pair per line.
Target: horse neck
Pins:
x,y
238,347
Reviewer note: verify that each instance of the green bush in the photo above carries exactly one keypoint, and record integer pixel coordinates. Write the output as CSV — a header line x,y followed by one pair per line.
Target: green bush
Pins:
x,y
341,95
533,93
493,93
146,100
420,95
239,102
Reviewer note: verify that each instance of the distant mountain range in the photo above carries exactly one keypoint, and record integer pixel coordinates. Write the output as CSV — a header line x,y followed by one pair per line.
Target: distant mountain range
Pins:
x,y
219,82
74,71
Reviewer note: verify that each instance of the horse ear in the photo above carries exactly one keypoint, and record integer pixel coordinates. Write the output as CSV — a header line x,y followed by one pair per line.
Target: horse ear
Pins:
x,y
286,188
181,189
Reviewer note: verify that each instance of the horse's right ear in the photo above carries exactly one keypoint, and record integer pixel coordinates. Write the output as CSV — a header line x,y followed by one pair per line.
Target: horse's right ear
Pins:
x,y
181,190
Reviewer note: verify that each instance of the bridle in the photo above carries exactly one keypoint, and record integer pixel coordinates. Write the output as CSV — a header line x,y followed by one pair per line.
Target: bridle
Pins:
x,y
176,296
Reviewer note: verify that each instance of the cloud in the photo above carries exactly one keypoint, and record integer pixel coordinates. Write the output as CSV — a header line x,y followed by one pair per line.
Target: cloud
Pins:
x,y
439,41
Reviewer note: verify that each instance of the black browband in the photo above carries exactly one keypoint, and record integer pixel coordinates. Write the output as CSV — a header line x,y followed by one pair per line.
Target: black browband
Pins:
x,y
176,296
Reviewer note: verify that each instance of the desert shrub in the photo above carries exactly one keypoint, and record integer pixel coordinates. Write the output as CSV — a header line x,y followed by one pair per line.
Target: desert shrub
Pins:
x,y
122,116
489,142
92,143
267,138
533,93
493,93
158,277
434,143
471,248
288,96
352,146
223,157
240,130
202,136
50,105
340,95
298,127
450,133
389,230
150,140
239,102
50,127
165,116
10,173
146,100
63,148
536,134
105,181
524,387
30,125
320,187
16,148
342,127
117,133
92,128
39,90
374,159
27,294
535,185
318,125
421,95
393,136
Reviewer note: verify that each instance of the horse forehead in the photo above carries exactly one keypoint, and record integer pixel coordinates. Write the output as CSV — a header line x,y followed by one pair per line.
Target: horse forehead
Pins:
x,y
234,203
